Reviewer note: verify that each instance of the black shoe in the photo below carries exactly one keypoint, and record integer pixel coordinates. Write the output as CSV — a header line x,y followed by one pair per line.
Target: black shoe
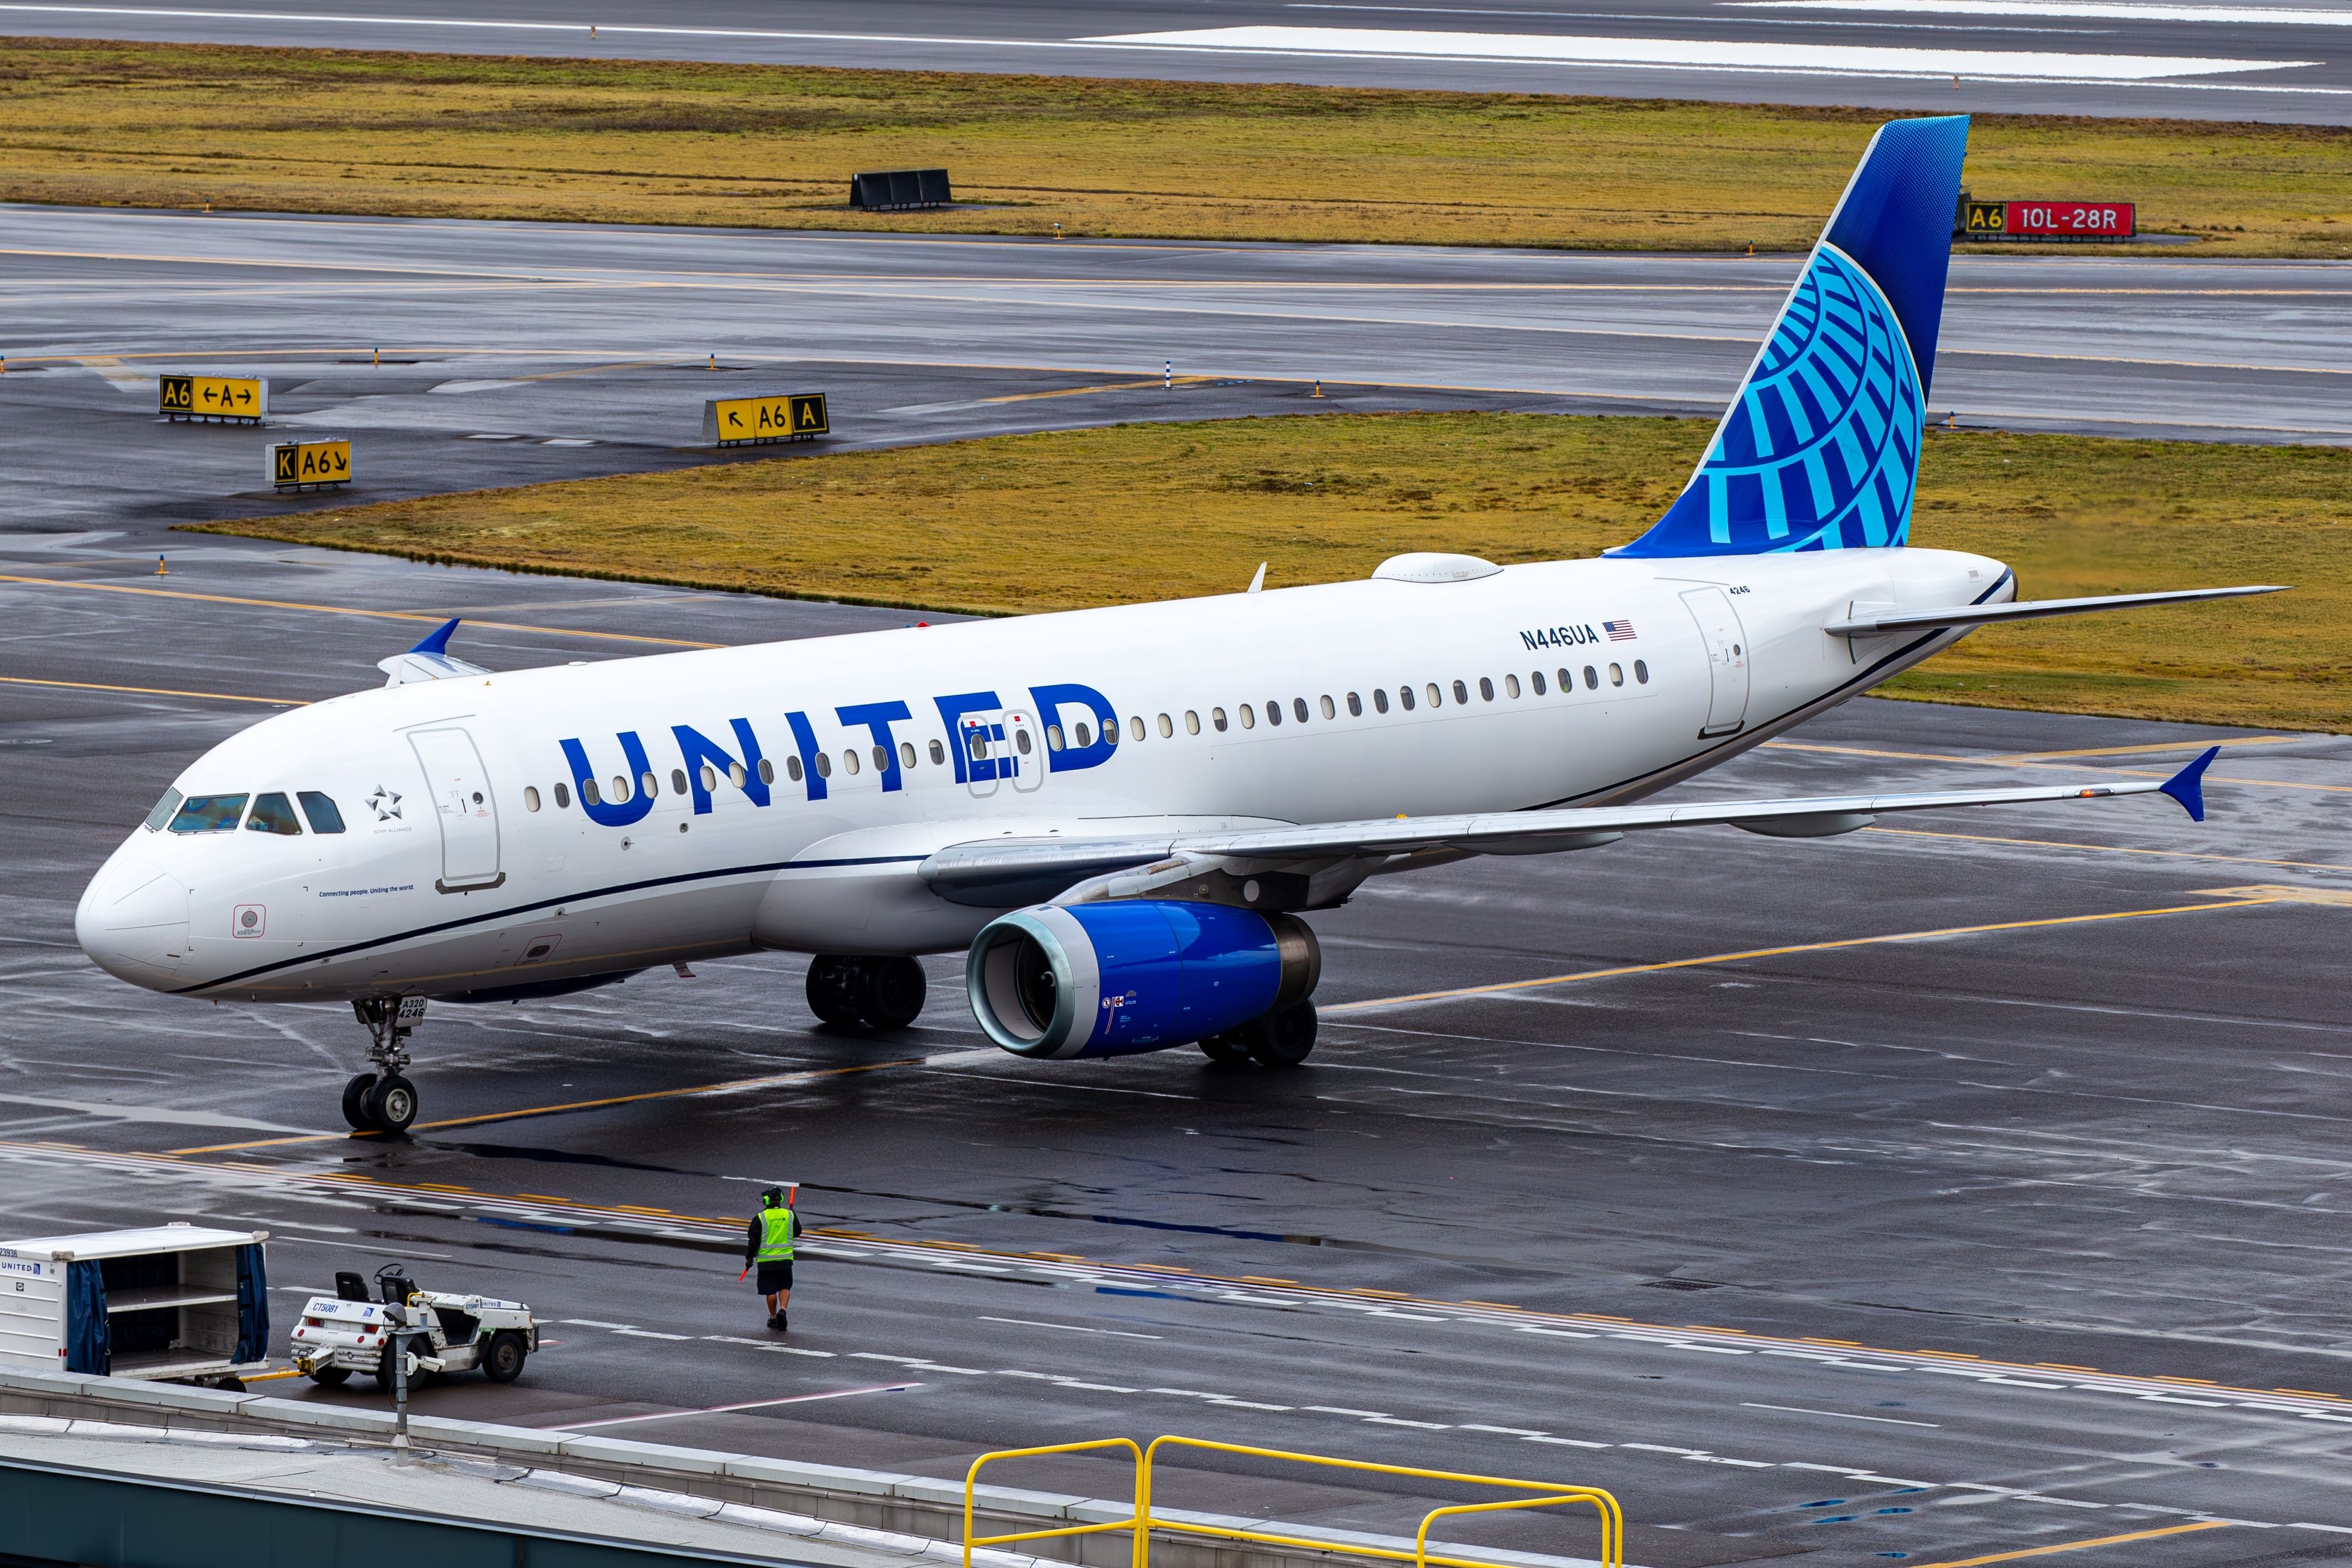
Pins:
x,y
780,1325
775,1319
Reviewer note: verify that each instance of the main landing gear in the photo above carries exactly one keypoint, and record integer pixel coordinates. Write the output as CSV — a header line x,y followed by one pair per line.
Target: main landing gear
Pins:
x,y
881,993
383,1101
1279,1039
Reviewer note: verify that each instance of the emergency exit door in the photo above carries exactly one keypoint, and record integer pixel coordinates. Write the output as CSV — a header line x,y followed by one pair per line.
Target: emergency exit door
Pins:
x,y
1726,649
469,815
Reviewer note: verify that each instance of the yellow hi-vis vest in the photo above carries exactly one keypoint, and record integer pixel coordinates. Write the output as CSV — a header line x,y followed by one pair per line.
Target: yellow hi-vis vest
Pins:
x,y
776,1236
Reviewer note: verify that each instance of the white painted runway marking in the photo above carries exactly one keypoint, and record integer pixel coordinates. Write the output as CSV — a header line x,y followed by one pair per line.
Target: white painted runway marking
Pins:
x,y
1809,59
724,1409
2098,10
1070,1328
1841,1415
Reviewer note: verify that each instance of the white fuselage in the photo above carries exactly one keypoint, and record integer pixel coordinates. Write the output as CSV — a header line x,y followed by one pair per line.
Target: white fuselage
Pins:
x,y
488,870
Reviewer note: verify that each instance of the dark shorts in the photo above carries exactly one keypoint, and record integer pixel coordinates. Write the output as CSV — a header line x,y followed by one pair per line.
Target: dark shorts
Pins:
x,y
775,1277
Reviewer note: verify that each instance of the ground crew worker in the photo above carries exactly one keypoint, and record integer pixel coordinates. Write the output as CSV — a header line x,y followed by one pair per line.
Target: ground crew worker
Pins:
x,y
769,1244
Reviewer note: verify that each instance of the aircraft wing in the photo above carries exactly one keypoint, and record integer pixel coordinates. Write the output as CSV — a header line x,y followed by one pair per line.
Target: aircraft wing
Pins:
x,y
997,871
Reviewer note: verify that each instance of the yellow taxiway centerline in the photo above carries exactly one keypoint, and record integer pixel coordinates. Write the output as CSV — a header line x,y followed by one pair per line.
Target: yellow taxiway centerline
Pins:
x,y
2080,1545
1501,986
152,691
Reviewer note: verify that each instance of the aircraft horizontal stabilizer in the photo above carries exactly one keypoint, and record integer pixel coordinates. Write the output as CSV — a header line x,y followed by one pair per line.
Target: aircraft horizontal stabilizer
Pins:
x,y
1876,624
429,661
986,870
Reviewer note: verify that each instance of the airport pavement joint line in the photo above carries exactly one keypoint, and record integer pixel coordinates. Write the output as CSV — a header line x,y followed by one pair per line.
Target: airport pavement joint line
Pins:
x,y
1500,987
433,616
1243,1289
2107,849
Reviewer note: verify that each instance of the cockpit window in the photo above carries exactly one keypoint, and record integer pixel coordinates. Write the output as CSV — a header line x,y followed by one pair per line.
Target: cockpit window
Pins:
x,y
164,809
324,818
209,813
273,813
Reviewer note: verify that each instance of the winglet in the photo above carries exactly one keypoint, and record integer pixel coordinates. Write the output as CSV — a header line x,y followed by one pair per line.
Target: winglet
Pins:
x,y
2188,786
439,642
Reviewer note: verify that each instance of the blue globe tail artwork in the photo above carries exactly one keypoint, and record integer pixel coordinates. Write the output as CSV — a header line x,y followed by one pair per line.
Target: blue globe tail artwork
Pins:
x,y
1820,448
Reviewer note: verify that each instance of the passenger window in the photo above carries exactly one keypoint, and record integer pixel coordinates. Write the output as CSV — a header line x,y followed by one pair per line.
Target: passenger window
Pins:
x,y
209,813
1538,680
588,796
1086,737
620,788
1462,693
1487,690
164,809
273,813
1053,737
1436,698
792,768
1567,683
1192,722
978,743
735,774
1641,673
1248,716
678,779
768,772
939,757
1274,711
824,766
1379,699
1020,738
1405,697
1592,679
653,785
563,799
1616,675
1167,726
1135,725
1217,717
530,799
1511,686
849,758
1298,708
1355,705
905,754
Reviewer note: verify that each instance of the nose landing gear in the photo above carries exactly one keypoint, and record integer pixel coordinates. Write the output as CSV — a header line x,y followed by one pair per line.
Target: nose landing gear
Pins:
x,y
384,1101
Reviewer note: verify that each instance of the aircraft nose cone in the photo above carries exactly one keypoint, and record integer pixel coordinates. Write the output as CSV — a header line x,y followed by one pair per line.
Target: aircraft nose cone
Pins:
x,y
132,921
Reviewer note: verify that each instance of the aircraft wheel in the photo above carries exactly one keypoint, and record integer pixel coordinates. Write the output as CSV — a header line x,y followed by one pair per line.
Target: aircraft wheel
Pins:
x,y
355,1100
1225,1049
832,988
892,995
502,1359
1282,1037
392,1103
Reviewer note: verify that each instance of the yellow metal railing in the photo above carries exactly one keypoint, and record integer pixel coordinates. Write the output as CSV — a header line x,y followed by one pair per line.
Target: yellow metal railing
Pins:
x,y
1143,1521
1136,1523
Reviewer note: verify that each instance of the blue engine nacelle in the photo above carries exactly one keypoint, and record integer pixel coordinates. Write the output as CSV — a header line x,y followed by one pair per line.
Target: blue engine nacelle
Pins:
x,y
1121,976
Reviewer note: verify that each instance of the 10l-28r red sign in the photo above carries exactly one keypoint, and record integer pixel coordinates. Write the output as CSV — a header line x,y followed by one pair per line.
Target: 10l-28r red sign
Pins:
x,y
2051,220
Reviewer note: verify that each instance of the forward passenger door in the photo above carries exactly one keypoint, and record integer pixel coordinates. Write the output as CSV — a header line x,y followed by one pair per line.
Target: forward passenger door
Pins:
x,y
463,803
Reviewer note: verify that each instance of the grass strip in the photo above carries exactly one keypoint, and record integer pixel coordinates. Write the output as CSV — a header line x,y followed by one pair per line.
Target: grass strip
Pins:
x,y
1132,512
173,125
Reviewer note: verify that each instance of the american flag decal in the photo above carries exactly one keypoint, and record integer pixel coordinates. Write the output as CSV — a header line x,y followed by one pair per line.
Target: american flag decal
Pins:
x,y
1619,631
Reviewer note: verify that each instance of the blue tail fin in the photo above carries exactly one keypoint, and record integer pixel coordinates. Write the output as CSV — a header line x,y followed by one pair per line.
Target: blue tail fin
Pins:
x,y
1820,448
